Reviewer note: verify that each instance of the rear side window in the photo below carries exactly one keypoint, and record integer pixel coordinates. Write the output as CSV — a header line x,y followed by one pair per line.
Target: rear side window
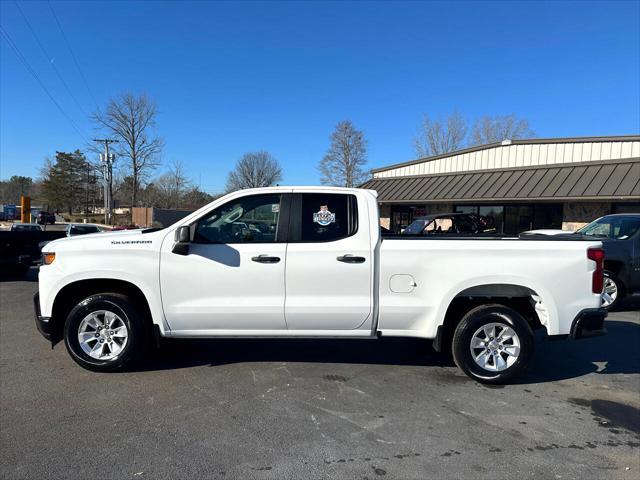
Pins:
x,y
326,217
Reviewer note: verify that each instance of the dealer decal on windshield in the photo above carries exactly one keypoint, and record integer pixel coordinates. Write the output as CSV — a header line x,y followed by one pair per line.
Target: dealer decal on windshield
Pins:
x,y
324,216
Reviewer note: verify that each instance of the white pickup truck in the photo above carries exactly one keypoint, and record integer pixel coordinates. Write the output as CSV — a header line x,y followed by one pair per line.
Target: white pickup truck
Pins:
x,y
312,262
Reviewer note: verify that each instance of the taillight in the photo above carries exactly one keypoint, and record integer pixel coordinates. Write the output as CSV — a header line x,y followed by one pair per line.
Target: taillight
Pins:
x,y
597,255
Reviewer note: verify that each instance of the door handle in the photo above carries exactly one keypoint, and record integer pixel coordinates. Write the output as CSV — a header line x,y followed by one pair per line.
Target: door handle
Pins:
x,y
348,258
265,259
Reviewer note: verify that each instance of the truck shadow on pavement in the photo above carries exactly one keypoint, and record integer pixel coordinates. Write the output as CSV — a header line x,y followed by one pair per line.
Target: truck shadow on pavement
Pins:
x,y
617,352
614,353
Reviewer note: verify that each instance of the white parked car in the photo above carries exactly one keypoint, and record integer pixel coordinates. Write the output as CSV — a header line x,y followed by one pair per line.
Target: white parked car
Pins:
x,y
318,267
75,229
549,231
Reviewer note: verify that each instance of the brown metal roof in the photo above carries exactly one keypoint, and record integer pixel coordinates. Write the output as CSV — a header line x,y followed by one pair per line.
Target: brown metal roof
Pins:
x,y
611,180
529,141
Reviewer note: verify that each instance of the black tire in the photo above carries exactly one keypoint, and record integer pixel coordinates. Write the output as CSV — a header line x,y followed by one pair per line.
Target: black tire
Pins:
x,y
130,314
619,286
476,319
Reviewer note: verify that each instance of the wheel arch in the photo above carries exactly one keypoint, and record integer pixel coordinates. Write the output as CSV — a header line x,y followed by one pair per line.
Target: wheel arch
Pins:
x,y
522,298
617,268
72,293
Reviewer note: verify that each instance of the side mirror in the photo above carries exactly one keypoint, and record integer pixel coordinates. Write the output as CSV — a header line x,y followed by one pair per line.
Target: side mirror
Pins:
x,y
182,238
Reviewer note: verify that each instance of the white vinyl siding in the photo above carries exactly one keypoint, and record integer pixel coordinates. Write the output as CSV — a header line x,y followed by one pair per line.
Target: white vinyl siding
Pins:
x,y
519,155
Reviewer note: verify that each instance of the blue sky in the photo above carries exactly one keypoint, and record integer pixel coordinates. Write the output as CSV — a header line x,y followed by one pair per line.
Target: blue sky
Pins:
x,y
235,77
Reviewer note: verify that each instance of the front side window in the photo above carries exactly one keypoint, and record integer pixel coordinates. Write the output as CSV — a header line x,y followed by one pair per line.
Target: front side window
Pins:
x,y
464,224
619,228
251,219
441,225
328,216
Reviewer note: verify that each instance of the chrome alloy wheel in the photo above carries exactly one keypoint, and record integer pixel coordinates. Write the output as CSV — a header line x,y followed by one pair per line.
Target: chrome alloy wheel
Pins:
x,y
102,335
495,347
609,291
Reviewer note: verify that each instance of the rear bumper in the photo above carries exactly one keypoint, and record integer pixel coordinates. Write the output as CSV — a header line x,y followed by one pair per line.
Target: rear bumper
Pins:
x,y
43,323
589,323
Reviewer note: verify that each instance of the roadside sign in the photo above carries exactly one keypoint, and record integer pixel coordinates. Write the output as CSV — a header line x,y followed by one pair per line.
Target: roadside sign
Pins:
x,y
10,212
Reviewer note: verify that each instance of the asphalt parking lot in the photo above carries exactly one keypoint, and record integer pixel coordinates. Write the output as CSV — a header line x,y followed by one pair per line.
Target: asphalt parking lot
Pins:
x,y
315,409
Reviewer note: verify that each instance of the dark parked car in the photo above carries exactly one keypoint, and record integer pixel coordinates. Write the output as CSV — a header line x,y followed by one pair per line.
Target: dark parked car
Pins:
x,y
450,223
14,258
45,218
19,247
620,237
25,227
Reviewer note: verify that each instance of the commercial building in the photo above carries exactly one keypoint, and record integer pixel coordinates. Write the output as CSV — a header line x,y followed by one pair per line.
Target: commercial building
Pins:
x,y
157,217
522,184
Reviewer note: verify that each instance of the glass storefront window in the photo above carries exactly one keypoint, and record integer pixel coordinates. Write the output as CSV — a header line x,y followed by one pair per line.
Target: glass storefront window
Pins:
x,y
517,218
467,209
513,219
496,215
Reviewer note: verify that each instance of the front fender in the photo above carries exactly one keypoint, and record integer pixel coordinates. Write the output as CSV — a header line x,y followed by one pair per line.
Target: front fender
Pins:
x,y
51,284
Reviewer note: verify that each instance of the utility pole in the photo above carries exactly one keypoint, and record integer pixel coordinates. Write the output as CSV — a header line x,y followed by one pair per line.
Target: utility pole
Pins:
x,y
86,186
107,160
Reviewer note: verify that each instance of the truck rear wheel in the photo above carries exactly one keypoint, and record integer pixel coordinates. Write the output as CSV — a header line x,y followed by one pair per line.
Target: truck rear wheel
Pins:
x,y
104,332
492,344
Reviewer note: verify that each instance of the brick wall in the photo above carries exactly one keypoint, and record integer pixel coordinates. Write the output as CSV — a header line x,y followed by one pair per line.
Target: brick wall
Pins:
x,y
385,216
578,214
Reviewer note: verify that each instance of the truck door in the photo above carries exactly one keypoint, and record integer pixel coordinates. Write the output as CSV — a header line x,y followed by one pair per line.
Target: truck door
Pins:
x,y
233,275
329,263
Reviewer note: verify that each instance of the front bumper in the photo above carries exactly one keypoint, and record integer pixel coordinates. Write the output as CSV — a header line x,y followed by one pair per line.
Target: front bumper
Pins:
x,y
589,323
43,323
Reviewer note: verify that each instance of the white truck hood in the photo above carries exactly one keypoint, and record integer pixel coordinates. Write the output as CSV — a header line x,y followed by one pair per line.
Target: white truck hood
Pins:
x,y
91,240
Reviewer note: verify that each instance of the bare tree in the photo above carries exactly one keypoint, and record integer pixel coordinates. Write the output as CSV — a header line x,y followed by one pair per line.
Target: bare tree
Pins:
x,y
131,120
496,129
172,186
436,137
253,170
343,165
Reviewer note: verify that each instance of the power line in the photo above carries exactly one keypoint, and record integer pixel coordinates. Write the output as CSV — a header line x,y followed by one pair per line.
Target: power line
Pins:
x,y
50,59
75,60
35,75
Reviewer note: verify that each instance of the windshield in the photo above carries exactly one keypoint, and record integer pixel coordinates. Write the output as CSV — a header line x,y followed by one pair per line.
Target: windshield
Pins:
x,y
416,227
619,228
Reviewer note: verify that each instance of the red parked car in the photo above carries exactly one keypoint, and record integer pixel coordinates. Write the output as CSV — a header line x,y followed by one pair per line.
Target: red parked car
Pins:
x,y
125,227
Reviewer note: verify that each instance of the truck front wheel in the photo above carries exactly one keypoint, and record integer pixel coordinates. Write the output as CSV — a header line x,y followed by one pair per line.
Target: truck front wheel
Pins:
x,y
492,344
104,332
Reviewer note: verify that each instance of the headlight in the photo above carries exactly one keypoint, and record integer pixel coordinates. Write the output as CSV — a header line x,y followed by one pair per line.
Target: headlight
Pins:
x,y
48,258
